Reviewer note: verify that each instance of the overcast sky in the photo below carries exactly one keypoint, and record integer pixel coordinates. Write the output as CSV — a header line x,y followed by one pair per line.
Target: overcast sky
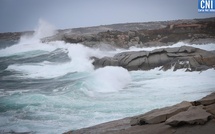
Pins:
x,y
21,15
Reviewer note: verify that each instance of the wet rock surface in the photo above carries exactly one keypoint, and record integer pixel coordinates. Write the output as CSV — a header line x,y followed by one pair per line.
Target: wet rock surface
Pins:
x,y
183,118
190,58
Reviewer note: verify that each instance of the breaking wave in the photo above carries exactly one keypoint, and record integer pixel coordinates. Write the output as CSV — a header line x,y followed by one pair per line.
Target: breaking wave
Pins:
x,y
53,87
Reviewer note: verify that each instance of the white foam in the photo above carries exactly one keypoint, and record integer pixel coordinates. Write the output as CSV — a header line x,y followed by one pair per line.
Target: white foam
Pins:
x,y
41,70
80,60
114,92
209,47
108,79
178,84
23,47
147,90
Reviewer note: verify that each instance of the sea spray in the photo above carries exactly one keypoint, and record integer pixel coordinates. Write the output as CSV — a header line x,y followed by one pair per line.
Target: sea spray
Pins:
x,y
31,42
108,79
44,29
51,96
80,60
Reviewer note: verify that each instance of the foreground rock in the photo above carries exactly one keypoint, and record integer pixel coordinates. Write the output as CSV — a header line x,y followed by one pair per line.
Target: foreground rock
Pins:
x,y
210,109
191,119
194,115
193,59
160,115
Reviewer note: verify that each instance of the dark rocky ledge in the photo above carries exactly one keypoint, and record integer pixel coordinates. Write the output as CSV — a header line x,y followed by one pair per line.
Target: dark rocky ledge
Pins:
x,y
14,36
190,58
184,118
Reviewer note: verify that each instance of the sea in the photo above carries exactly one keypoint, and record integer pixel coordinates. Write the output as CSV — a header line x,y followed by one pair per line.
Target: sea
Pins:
x,y
51,88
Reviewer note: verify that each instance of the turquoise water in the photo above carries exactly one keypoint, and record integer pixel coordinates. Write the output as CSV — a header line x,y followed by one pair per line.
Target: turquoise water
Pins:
x,y
53,87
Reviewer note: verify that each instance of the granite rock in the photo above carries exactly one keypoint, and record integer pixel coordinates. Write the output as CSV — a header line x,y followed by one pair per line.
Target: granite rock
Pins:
x,y
160,115
190,58
194,115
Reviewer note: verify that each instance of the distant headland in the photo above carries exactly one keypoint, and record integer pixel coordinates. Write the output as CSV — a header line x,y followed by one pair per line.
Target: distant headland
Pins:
x,y
125,35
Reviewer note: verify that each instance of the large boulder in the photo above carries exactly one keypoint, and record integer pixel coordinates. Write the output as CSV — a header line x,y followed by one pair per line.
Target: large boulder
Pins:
x,y
159,115
190,58
194,115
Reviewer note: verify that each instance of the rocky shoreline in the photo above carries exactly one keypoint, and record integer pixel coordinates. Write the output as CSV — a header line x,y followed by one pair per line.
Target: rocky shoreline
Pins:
x,y
195,117
185,57
186,117
146,34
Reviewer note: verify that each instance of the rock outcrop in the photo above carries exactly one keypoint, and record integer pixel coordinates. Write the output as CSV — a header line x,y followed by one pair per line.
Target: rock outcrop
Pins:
x,y
193,59
182,118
